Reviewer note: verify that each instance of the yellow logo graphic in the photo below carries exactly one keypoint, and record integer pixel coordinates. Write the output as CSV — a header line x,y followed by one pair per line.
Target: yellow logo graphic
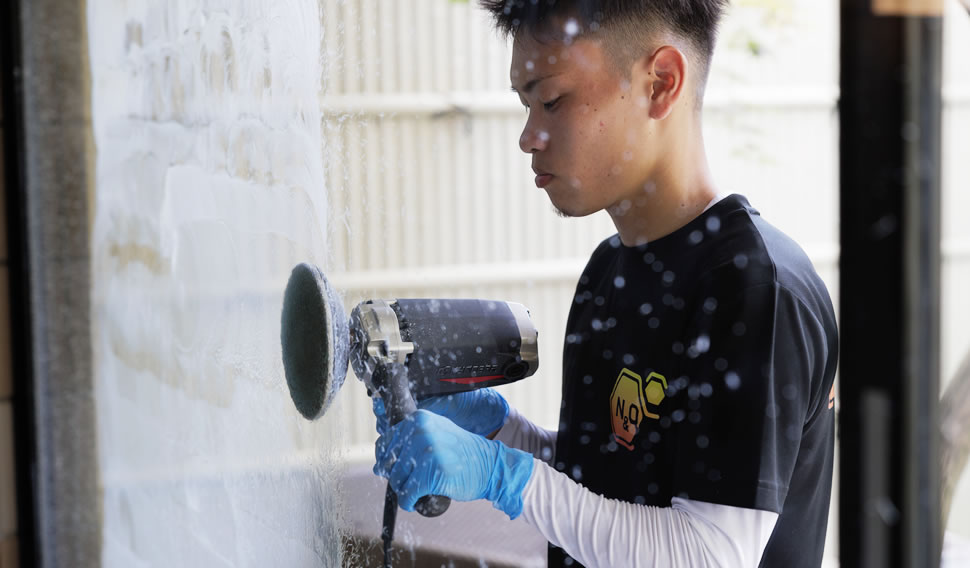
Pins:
x,y
627,403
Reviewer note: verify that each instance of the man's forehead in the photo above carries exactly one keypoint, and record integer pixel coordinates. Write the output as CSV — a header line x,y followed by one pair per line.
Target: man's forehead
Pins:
x,y
533,59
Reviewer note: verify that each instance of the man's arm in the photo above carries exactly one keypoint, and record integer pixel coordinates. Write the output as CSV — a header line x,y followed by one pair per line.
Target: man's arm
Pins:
x,y
605,532
520,433
427,454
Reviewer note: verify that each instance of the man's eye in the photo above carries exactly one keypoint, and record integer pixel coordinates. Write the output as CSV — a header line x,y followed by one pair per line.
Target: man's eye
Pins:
x,y
551,104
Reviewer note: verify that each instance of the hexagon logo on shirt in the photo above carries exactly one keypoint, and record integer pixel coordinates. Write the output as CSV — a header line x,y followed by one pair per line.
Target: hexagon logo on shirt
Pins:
x,y
630,402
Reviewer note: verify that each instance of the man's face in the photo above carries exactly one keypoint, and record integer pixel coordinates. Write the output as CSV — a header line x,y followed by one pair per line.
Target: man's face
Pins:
x,y
588,128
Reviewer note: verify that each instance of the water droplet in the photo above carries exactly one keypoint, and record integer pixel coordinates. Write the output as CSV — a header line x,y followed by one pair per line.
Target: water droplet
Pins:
x,y
668,277
677,347
597,324
571,28
702,442
740,260
695,237
721,364
529,65
707,390
713,224
789,391
887,510
587,379
653,323
645,309
628,359
678,415
649,257
657,266
653,488
732,380
738,329
543,135
771,410
654,436
702,343
608,354
710,304
552,60
600,301
584,439
619,282
694,417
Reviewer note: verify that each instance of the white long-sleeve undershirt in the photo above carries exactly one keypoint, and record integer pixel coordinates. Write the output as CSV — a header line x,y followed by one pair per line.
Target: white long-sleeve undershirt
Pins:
x,y
598,531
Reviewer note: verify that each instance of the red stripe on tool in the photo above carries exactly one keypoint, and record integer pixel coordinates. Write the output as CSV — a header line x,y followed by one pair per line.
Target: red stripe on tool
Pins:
x,y
473,380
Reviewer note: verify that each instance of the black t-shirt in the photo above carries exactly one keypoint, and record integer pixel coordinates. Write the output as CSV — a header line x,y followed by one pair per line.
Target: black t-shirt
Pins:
x,y
700,366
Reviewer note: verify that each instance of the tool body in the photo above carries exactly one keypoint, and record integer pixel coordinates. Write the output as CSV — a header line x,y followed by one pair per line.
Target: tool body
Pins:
x,y
403,350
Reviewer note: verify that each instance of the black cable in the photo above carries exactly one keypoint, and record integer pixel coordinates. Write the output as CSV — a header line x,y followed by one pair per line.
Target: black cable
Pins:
x,y
390,517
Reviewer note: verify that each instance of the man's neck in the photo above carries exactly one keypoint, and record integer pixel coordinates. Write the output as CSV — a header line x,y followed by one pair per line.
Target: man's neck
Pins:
x,y
676,194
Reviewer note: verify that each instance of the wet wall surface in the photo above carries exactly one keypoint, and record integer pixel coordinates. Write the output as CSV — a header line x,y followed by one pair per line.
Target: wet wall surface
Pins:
x,y
209,188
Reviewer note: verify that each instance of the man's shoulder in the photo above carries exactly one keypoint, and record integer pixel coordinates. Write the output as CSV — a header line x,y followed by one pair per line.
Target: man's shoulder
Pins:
x,y
758,258
753,252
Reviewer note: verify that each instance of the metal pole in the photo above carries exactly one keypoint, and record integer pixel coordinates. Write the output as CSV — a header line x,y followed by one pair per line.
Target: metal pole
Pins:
x,y
889,278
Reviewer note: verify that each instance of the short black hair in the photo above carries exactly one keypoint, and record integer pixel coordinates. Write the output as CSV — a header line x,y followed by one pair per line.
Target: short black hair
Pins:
x,y
624,25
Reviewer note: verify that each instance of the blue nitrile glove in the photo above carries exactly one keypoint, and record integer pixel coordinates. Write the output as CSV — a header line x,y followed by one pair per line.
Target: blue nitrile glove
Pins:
x,y
481,411
427,454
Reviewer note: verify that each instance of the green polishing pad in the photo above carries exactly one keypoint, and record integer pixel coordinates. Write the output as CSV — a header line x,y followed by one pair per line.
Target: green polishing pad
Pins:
x,y
315,340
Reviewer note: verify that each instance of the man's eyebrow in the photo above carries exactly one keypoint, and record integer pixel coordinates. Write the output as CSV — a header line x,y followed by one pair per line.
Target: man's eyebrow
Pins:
x,y
532,83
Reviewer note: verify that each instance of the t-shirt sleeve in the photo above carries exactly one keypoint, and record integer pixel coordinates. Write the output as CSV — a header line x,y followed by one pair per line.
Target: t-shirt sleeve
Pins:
x,y
748,370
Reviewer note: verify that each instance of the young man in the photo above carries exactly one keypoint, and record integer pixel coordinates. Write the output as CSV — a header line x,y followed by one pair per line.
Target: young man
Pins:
x,y
697,426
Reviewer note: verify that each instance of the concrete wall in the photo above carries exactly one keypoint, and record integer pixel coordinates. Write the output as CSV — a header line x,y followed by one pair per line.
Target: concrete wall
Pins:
x,y
209,188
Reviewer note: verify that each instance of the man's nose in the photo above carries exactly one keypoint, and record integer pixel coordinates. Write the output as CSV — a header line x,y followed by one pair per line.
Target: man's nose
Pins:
x,y
533,138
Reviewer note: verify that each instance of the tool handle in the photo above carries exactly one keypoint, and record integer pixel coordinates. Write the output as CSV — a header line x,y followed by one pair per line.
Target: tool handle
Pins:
x,y
399,404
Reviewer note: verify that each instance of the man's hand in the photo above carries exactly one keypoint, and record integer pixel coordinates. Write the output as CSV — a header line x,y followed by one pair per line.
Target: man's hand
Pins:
x,y
427,454
481,411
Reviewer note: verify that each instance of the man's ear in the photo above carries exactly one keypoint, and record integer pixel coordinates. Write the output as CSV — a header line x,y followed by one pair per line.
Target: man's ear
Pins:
x,y
666,76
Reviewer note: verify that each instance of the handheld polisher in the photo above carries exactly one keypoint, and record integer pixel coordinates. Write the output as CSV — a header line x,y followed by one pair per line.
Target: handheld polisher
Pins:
x,y
402,349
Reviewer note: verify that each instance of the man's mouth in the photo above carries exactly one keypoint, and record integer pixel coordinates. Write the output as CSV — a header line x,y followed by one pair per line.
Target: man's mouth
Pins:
x,y
542,178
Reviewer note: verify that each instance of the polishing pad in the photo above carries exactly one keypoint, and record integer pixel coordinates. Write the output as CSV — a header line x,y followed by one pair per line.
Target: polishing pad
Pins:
x,y
315,339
